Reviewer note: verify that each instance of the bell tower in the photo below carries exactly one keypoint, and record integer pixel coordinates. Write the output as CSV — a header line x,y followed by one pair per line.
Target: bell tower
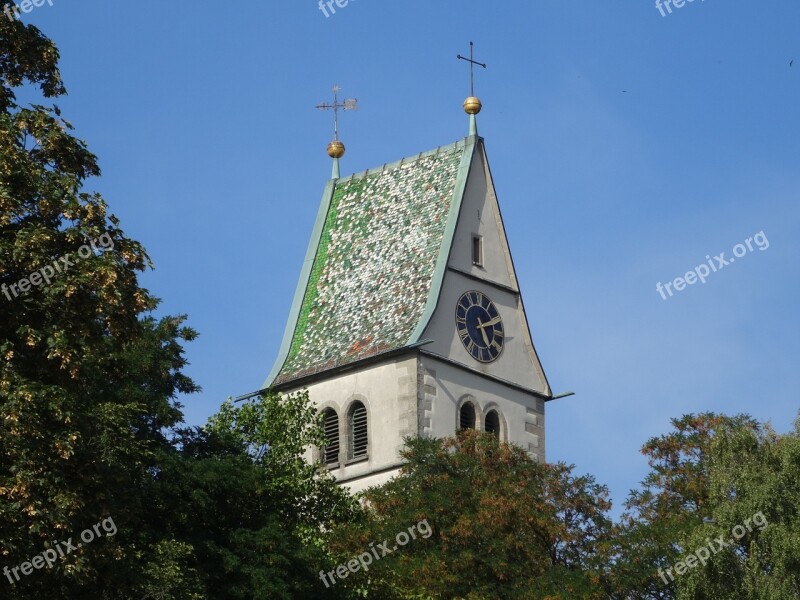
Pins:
x,y
408,318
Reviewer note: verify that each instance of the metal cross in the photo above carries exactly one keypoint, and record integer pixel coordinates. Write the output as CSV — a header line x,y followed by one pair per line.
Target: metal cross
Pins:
x,y
348,104
472,64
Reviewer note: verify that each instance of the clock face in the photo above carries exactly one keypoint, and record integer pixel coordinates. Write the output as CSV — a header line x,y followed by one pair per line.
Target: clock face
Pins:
x,y
479,326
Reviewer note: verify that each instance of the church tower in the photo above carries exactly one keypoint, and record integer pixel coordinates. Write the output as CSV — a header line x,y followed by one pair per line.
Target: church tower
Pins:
x,y
408,318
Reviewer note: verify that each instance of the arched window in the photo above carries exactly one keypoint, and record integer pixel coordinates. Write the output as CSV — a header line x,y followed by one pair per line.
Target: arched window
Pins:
x,y
330,425
467,417
357,432
493,423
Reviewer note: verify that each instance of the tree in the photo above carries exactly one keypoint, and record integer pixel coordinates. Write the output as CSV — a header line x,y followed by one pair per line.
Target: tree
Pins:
x,y
89,377
754,498
275,505
89,424
215,527
673,500
710,475
502,526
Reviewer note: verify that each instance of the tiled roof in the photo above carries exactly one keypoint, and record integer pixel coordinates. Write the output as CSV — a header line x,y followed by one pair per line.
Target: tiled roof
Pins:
x,y
374,263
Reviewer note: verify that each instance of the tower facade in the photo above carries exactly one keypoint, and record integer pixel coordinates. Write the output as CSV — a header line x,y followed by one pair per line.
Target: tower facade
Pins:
x,y
408,318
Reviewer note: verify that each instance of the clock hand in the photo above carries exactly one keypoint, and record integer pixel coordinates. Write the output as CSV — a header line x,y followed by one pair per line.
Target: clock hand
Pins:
x,y
483,332
494,321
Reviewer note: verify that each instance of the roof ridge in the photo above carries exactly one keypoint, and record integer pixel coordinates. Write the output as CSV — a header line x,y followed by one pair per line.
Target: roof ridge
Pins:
x,y
405,160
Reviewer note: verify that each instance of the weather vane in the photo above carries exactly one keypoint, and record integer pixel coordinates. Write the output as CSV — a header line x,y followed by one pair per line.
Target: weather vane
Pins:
x,y
336,148
348,104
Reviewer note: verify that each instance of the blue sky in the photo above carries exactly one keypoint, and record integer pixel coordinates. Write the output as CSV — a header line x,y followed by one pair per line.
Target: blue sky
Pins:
x,y
625,147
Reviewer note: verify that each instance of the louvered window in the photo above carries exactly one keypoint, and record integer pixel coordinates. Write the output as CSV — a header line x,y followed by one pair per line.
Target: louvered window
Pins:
x,y
467,416
330,425
493,423
358,431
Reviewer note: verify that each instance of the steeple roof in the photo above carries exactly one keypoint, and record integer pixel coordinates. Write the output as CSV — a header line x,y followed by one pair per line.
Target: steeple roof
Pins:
x,y
375,263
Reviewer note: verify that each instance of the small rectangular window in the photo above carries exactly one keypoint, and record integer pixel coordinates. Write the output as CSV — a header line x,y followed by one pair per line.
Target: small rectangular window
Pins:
x,y
477,250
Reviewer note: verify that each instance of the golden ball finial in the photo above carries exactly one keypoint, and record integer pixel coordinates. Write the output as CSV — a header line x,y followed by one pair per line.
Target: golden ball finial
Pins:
x,y
472,106
336,149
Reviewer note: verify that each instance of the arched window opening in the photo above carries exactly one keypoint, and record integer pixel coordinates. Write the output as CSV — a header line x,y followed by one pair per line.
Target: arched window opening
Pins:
x,y
467,416
493,423
358,431
330,426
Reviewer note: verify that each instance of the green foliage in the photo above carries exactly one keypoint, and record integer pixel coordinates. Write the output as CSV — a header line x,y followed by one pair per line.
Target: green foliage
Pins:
x,y
88,383
276,431
673,500
169,575
263,506
88,379
26,57
754,493
503,526
211,498
711,474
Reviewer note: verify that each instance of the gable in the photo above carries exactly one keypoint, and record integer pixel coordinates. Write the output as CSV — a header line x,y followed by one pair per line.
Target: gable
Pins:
x,y
480,215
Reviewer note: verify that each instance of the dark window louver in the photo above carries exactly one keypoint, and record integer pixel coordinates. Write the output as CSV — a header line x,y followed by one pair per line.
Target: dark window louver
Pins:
x,y
467,420
330,425
358,431
493,423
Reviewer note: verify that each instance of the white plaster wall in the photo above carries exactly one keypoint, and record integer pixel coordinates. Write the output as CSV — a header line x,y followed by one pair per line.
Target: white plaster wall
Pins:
x,y
389,392
359,485
522,414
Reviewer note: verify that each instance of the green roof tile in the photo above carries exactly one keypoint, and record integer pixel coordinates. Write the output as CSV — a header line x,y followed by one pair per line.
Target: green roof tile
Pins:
x,y
374,263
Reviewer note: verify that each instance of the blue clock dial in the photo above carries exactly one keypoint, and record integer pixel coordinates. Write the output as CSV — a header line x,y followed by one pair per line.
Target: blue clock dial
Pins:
x,y
479,326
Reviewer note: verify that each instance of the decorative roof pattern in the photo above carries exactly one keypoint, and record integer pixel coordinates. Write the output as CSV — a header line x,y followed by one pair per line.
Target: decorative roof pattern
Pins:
x,y
374,264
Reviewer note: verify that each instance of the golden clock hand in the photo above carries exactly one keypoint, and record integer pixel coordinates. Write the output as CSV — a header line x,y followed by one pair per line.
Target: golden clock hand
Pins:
x,y
483,333
494,321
